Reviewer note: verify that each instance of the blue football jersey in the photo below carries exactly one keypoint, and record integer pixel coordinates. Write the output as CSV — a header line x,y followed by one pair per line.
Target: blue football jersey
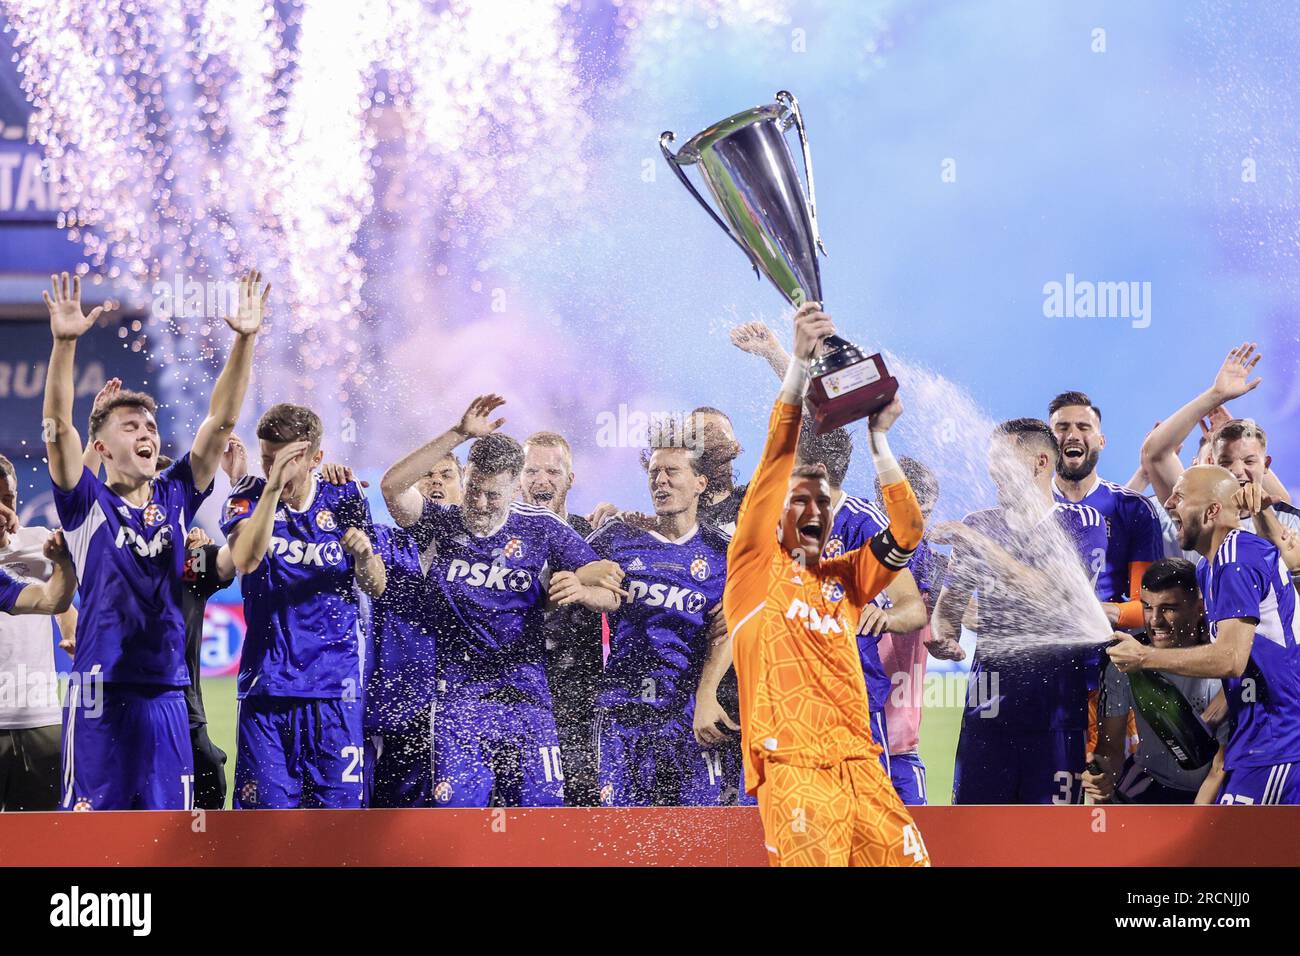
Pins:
x,y
856,521
1247,579
1133,533
489,621
130,570
1018,678
10,588
658,641
301,603
402,659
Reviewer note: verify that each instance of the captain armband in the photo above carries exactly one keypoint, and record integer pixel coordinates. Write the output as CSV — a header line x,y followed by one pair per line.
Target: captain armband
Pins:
x,y
887,551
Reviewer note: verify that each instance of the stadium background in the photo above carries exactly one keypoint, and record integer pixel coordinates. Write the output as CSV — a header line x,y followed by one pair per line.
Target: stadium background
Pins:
x,y
1161,150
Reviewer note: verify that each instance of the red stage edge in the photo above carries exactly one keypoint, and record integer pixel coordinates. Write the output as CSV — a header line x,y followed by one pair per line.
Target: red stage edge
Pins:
x,y
704,836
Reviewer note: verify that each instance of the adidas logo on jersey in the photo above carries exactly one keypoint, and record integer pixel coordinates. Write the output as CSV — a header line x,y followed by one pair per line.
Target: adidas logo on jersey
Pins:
x,y
636,564
499,577
667,596
318,553
814,621
129,537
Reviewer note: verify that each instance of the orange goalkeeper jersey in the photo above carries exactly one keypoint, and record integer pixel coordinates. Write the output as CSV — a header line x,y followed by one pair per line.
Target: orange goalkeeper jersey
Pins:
x,y
803,699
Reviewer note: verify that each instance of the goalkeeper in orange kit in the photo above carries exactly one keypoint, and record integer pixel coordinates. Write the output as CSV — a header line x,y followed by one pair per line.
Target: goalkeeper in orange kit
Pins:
x,y
823,795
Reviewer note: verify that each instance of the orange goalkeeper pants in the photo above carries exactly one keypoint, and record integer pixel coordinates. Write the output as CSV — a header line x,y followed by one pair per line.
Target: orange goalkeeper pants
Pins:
x,y
845,815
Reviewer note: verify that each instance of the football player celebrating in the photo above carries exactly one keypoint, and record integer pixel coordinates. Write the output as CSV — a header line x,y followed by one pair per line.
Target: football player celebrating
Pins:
x,y
494,733
1024,729
793,615
1250,607
1133,536
303,552
659,643
127,744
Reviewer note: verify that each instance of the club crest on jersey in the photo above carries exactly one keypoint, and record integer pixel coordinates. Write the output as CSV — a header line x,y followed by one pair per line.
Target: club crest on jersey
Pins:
x,y
248,794
834,548
832,590
514,548
607,795
700,568
238,508
499,577
154,515
82,805
325,520
442,792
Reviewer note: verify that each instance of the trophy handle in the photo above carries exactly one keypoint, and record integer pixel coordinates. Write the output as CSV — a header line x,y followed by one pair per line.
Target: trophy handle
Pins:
x,y
786,98
667,137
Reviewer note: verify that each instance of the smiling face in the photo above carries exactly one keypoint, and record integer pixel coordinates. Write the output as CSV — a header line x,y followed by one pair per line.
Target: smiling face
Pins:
x,y
128,442
806,521
1078,431
1172,616
547,476
1244,457
674,485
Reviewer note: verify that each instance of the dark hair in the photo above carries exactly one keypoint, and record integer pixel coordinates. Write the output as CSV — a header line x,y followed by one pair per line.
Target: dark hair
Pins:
x,y
460,469
1066,399
1026,431
814,470
1240,428
924,482
285,423
121,400
1170,573
495,453
833,449
164,462
7,468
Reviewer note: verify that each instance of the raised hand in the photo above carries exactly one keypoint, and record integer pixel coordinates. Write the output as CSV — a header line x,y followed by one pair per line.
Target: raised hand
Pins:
x,y
811,326
477,420
106,395
284,458
247,320
602,513
884,419
234,460
1250,499
337,474
755,338
67,321
1233,379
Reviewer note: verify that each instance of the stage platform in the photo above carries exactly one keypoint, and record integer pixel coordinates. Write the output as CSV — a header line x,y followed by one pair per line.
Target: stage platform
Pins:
x,y
956,836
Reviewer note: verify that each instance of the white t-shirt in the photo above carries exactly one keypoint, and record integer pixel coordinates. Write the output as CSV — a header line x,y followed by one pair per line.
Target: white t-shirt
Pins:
x,y
29,684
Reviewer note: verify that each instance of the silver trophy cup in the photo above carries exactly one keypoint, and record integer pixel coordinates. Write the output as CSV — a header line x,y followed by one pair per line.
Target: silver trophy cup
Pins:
x,y
747,166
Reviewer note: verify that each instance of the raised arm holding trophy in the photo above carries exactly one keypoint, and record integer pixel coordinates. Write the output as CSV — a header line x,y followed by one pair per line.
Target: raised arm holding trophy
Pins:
x,y
747,165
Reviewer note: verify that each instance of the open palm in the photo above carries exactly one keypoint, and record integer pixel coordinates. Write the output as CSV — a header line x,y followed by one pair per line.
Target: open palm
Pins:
x,y
67,321
252,304
1233,379
477,420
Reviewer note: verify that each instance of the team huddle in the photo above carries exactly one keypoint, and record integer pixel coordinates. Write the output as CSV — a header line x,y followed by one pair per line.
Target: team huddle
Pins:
x,y
720,644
